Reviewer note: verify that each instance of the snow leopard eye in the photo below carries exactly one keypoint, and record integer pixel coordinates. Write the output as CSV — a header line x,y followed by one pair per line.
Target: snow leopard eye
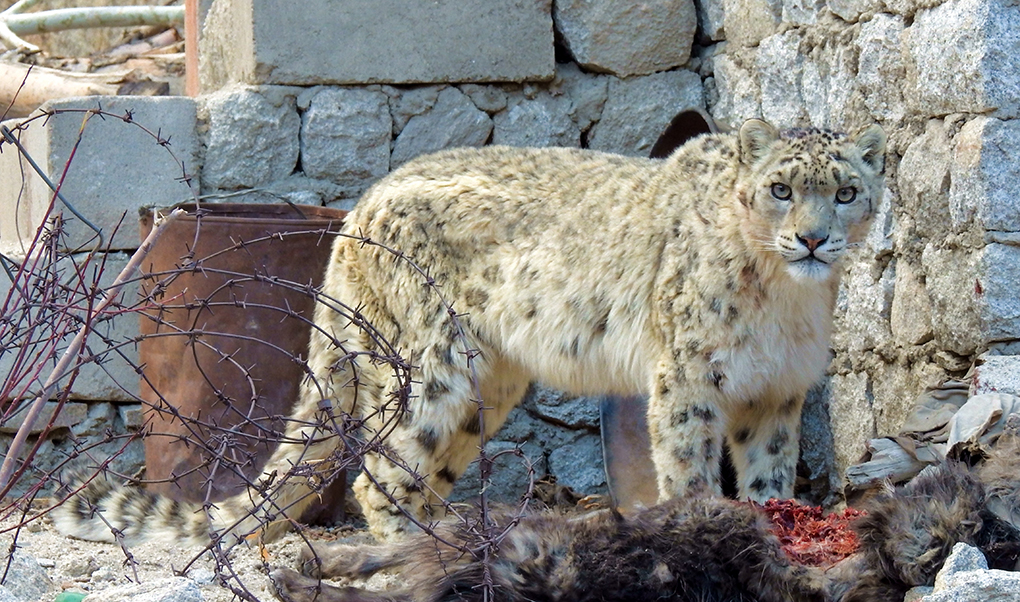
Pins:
x,y
782,191
846,194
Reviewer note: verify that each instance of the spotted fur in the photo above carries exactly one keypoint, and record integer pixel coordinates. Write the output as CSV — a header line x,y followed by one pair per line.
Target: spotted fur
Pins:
x,y
706,281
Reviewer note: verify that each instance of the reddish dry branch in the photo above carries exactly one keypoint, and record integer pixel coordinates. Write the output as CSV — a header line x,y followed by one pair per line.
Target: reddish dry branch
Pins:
x,y
808,537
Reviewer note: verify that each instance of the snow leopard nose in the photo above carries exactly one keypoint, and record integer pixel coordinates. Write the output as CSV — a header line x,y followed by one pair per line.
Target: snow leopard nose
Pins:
x,y
811,243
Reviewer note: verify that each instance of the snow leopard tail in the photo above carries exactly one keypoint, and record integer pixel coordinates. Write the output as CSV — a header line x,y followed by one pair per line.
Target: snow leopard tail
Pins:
x,y
103,510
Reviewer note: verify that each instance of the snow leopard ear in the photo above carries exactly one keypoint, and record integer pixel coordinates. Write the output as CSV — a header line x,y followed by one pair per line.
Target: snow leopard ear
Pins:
x,y
871,142
756,137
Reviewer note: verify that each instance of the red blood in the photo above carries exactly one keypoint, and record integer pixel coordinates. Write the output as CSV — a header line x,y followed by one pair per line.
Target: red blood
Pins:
x,y
809,538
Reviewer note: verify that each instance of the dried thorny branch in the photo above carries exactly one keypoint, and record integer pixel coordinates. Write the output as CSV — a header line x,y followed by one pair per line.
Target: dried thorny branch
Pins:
x,y
56,292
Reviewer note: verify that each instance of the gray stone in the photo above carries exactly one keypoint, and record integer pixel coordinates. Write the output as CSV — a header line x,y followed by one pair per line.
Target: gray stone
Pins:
x,y
571,412
851,10
26,580
923,179
879,240
985,176
965,577
586,93
910,318
116,168
253,137
963,56
132,415
802,12
853,420
510,477
626,38
817,446
780,66
738,95
579,465
879,63
950,277
375,41
540,122
840,100
711,17
453,121
748,22
345,137
865,309
986,586
100,418
408,102
997,374
962,559
995,290
176,589
70,415
490,99
639,110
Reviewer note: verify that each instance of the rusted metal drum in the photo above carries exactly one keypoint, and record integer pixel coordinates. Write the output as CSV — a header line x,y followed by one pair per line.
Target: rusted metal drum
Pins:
x,y
219,342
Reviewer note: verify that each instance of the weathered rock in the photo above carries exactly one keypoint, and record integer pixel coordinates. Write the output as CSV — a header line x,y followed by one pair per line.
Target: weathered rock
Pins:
x,y
252,139
963,56
26,580
997,374
851,10
345,136
572,412
627,38
578,464
540,122
748,22
853,419
780,66
879,64
453,121
965,577
711,16
405,103
950,278
910,318
70,415
738,95
587,93
176,589
802,12
490,99
985,176
131,415
639,109
923,179
817,445
864,309
510,477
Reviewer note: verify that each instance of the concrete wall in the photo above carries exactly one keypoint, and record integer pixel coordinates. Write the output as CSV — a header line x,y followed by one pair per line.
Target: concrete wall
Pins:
x,y
928,294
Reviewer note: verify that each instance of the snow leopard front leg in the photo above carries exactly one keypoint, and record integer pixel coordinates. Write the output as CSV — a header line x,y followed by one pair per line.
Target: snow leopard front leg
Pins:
x,y
764,440
686,429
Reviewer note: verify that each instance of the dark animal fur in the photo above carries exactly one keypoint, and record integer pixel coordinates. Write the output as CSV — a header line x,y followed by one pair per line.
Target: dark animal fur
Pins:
x,y
703,550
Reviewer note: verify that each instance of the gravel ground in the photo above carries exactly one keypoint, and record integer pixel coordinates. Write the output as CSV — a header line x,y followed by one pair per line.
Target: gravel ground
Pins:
x,y
95,568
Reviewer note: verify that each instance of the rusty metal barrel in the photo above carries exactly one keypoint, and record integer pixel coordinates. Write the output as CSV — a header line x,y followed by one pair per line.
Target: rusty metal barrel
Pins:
x,y
220,338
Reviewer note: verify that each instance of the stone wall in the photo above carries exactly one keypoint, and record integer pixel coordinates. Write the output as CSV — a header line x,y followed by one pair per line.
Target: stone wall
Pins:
x,y
926,296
